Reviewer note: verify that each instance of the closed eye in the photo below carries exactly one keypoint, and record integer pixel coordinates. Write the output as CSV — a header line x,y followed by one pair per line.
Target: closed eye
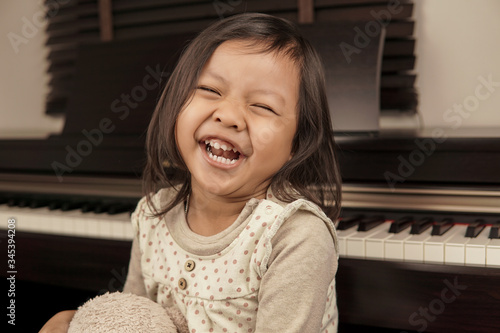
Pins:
x,y
265,107
208,89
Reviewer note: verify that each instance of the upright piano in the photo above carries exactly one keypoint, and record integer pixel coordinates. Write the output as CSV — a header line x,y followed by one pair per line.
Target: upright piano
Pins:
x,y
418,234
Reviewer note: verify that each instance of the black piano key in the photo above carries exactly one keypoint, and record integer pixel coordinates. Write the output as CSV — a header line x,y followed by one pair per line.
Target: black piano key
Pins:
x,y
67,206
495,230
12,202
475,228
55,204
349,222
37,203
102,208
421,225
439,228
23,203
401,224
370,222
88,207
118,208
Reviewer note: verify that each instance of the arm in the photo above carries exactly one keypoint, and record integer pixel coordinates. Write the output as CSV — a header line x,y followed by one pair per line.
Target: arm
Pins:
x,y
134,283
294,289
59,323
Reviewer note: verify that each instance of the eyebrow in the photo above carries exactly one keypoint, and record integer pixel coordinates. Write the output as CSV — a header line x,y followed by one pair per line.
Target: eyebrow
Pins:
x,y
270,92
216,76
260,91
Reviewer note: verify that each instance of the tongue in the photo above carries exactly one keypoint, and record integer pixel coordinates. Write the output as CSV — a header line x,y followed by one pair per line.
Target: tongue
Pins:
x,y
231,155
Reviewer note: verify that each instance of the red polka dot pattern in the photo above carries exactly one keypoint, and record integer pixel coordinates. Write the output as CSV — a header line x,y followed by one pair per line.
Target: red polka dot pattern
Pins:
x,y
220,293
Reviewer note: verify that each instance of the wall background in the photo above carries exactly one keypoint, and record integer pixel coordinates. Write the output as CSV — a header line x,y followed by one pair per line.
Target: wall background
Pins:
x,y
23,78
458,41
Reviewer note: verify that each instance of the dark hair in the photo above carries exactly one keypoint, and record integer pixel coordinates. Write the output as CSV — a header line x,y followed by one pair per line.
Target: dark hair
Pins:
x,y
312,172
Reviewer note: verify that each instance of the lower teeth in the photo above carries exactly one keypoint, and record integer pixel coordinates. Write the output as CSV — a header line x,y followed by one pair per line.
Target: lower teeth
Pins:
x,y
219,159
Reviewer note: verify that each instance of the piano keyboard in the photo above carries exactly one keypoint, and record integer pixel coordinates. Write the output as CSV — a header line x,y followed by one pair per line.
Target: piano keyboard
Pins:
x,y
371,237
80,206
441,226
68,223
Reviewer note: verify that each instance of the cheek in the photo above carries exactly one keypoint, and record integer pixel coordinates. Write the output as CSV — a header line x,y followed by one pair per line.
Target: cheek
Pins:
x,y
275,136
183,131
187,120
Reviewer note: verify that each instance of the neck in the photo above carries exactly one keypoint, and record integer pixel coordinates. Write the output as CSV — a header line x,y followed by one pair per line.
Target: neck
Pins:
x,y
208,215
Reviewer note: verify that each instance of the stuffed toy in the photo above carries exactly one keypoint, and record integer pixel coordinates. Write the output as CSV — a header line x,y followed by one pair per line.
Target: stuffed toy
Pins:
x,y
126,313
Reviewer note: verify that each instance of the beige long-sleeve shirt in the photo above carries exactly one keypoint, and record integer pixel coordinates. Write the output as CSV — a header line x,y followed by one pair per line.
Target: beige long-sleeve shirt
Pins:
x,y
272,270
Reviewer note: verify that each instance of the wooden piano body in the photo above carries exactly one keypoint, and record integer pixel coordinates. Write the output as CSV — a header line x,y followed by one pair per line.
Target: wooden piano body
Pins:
x,y
62,258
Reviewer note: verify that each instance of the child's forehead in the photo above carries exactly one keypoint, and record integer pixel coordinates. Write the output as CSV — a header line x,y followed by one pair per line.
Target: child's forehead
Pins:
x,y
250,47
248,53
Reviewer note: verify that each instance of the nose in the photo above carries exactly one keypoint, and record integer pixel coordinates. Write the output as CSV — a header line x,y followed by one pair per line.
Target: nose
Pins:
x,y
230,115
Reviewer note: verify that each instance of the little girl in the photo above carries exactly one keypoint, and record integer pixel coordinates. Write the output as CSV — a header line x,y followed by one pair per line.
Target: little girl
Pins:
x,y
238,239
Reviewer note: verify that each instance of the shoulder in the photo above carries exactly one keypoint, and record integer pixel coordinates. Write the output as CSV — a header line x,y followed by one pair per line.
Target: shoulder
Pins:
x,y
146,203
304,237
305,226
148,206
305,217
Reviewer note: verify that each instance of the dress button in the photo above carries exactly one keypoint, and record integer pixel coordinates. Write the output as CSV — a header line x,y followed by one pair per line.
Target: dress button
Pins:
x,y
182,283
189,265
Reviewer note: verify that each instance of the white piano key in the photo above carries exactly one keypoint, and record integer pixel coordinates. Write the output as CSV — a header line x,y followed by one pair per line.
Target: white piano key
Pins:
x,y
434,247
394,246
11,212
4,216
16,213
93,228
120,220
27,219
342,236
63,223
493,253
475,249
79,224
356,242
375,244
105,227
454,251
58,222
45,224
68,223
113,226
414,246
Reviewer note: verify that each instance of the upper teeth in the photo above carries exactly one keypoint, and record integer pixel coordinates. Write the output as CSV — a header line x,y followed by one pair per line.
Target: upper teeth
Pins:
x,y
217,145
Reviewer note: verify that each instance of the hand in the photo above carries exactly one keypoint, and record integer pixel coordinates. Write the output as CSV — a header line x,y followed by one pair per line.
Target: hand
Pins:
x,y
59,323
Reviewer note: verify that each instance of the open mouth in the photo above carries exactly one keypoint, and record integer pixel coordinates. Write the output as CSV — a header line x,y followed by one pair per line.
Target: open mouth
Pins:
x,y
222,152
